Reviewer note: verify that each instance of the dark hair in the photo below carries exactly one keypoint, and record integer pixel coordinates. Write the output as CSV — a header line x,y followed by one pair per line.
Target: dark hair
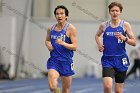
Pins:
x,y
63,7
116,4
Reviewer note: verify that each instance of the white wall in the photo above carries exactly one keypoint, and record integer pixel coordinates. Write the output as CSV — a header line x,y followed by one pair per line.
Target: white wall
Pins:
x,y
5,38
86,10
7,29
81,10
18,10
41,8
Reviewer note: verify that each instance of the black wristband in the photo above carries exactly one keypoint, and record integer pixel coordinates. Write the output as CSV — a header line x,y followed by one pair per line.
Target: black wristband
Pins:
x,y
126,39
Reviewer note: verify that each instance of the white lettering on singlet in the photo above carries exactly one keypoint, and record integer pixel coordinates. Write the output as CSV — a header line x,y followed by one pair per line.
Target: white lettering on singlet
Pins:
x,y
113,34
62,36
110,33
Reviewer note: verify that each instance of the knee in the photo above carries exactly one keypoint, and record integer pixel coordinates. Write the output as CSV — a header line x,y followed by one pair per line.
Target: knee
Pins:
x,y
65,90
108,88
118,91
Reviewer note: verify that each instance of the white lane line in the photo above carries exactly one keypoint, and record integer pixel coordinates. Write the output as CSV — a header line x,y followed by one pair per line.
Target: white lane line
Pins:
x,y
5,86
17,89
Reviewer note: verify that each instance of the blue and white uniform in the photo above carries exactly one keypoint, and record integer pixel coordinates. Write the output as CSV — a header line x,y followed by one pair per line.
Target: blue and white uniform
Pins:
x,y
60,57
114,54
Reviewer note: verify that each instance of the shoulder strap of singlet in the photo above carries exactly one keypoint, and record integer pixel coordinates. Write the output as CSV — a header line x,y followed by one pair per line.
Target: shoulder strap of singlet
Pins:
x,y
121,23
107,24
66,26
53,27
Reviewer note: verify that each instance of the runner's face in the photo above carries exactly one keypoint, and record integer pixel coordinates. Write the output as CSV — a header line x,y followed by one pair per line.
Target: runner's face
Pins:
x,y
115,13
60,15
